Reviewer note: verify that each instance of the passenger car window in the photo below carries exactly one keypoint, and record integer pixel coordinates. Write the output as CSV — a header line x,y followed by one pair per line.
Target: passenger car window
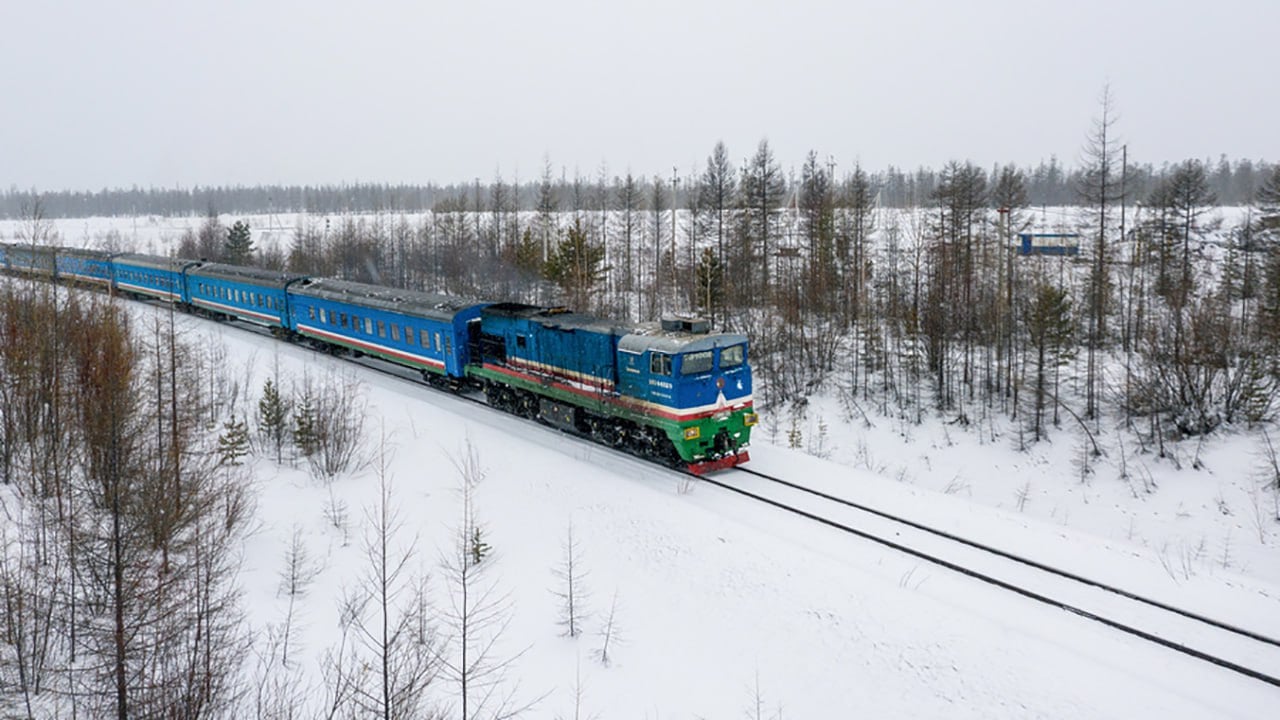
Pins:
x,y
696,362
732,357
659,363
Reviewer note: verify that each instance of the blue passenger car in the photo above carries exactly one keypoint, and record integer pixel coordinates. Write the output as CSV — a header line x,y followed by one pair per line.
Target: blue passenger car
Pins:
x,y
422,330
244,293
90,267
36,259
151,276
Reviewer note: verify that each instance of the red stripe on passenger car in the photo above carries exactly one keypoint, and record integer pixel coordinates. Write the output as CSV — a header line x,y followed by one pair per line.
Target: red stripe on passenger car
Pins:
x,y
372,347
239,310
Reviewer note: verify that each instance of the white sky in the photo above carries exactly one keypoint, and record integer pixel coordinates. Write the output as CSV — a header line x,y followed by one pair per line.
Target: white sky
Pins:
x,y
314,91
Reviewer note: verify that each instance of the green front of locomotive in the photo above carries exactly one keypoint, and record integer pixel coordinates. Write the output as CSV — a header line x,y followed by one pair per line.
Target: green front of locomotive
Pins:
x,y
695,386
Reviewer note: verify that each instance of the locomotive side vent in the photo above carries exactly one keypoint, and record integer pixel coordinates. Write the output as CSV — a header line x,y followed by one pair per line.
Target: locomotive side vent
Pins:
x,y
696,326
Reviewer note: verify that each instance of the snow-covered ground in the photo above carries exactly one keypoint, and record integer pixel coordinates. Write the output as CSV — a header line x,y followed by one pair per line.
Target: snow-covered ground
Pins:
x,y
722,602
717,597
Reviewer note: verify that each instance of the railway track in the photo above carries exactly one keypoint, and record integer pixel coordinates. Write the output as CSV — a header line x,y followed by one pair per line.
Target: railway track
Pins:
x,y
1221,643
1239,650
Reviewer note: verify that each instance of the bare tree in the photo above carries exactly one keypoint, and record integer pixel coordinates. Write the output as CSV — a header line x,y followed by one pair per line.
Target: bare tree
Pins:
x,y
299,571
628,199
329,424
390,617
610,633
477,615
572,590
579,697
1100,188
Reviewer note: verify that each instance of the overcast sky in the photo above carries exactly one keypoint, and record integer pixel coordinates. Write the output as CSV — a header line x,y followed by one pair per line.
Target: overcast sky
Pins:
x,y
124,92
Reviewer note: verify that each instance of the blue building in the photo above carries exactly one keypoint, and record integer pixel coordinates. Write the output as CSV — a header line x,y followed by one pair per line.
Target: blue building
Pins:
x,y
1049,244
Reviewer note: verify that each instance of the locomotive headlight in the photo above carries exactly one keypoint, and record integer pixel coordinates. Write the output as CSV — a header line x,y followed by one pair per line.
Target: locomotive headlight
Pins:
x,y
692,433
749,419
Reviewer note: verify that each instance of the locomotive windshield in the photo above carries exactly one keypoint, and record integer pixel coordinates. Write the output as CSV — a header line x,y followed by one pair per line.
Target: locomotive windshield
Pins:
x,y
696,362
732,357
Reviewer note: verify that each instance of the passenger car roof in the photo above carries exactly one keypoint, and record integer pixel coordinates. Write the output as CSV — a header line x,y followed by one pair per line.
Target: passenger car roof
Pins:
x,y
257,276
409,302
158,262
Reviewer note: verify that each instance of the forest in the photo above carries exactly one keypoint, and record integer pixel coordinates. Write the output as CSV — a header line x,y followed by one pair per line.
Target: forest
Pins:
x,y
1167,319
903,294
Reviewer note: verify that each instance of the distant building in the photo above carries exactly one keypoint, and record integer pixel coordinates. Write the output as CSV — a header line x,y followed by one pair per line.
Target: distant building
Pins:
x,y
1049,244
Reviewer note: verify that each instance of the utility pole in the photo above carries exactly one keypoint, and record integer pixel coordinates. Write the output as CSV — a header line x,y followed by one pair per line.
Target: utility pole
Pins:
x,y
1006,218
675,187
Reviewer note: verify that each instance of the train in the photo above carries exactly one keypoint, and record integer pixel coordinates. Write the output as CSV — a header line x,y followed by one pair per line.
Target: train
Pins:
x,y
670,391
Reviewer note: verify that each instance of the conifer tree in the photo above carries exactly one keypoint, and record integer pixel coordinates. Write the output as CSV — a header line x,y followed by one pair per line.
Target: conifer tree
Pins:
x,y
526,254
1050,327
238,250
477,545
305,431
710,283
233,443
576,266
273,418
1268,205
763,189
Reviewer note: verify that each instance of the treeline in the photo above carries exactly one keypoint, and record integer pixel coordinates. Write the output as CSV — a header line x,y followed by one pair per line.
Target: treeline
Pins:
x,y
1049,183
1169,314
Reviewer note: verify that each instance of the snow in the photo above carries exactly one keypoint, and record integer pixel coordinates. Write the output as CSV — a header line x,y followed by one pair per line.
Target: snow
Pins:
x,y
722,600
716,591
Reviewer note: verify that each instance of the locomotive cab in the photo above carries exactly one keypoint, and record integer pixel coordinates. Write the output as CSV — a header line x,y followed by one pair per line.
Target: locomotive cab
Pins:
x,y
699,384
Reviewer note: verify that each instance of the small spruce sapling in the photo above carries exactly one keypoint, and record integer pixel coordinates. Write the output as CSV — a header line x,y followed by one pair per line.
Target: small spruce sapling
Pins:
x,y
233,443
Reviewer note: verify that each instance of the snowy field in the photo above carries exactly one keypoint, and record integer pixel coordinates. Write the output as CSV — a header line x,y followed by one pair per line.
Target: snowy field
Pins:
x,y
719,599
725,607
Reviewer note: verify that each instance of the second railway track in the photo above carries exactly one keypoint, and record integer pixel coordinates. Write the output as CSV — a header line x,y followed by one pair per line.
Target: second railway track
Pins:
x,y
1209,639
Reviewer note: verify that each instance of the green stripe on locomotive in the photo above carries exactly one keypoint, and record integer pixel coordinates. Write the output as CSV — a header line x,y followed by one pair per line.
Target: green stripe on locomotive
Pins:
x,y
695,439
692,439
